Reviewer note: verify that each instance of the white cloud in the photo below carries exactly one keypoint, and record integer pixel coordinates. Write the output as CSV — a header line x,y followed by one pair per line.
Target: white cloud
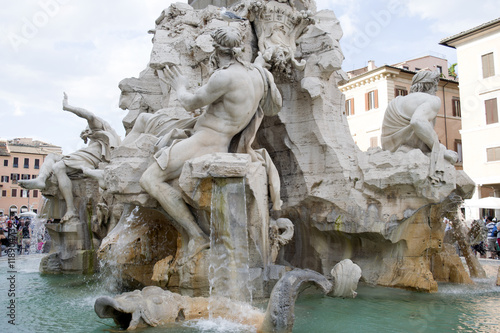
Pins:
x,y
84,48
17,110
346,12
453,16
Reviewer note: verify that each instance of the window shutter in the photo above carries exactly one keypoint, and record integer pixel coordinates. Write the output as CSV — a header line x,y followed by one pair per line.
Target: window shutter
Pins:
x,y
367,102
352,106
375,93
488,65
491,111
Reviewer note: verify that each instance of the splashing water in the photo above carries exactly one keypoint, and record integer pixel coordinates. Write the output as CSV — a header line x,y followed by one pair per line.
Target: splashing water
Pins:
x,y
219,325
111,269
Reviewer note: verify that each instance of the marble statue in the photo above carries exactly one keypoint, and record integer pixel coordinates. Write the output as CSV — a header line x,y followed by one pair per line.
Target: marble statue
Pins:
x,y
234,95
346,275
409,121
154,306
101,138
278,25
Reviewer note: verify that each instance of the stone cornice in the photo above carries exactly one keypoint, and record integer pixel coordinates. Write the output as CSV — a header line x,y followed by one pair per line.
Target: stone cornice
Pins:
x,y
380,73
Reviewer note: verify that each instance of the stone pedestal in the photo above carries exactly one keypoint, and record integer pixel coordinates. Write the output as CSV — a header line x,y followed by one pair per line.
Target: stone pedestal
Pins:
x,y
231,192
72,249
70,253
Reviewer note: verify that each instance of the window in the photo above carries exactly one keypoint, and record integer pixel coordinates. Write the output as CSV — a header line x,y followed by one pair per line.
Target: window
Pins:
x,y
25,193
14,192
37,163
491,111
400,91
16,162
26,163
488,65
4,193
35,193
493,154
23,176
349,107
406,67
417,69
14,177
455,103
34,176
440,69
5,162
458,149
5,179
373,142
371,100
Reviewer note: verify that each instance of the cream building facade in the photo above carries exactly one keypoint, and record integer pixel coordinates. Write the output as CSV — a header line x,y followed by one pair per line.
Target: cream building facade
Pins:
x,y
369,90
21,158
478,54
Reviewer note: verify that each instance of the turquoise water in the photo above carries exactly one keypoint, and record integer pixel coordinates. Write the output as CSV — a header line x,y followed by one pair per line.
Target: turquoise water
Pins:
x,y
64,303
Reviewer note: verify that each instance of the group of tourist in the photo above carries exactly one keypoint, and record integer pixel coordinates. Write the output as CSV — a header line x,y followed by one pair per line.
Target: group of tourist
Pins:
x,y
484,237
23,230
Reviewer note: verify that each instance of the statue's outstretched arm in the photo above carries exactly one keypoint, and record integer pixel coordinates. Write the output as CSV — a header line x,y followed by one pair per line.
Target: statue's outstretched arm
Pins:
x,y
216,87
82,113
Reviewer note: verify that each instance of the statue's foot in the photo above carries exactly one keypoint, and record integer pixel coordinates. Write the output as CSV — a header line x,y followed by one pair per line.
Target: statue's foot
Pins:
x,y
32,184
69,215
195,246
451,156
96,174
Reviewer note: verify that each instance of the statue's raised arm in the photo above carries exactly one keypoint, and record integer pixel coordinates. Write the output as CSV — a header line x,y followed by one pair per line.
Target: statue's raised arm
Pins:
x,y
101,138
93,121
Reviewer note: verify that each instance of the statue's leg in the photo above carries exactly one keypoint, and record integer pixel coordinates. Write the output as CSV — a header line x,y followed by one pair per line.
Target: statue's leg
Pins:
x,y
45,171
97,174
424,130
66,189
154,182
138,129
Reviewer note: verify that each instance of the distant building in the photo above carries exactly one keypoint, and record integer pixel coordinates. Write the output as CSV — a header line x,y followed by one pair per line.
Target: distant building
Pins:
x,y
21,158
430,63
478,54
370,89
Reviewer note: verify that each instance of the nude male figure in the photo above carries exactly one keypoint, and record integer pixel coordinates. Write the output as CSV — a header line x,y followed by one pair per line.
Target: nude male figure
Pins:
x,y
102,137
232,94
409,120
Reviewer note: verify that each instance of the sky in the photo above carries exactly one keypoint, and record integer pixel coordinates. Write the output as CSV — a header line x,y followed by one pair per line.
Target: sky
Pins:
x,y
85,47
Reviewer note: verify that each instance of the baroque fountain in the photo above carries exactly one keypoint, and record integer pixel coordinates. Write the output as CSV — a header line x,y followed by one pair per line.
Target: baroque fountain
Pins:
x,y
238,179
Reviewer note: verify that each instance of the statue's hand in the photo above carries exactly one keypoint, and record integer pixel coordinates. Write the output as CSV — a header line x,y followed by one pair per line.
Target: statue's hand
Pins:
x,y
260,61
174,77
65,101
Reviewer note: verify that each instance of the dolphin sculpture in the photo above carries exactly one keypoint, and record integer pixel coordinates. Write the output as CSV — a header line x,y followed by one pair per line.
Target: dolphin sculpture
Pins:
x,y
154,306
